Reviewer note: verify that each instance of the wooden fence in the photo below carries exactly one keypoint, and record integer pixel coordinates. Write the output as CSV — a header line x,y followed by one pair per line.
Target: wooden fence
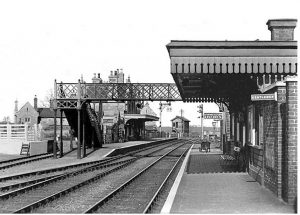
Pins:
x,y
13,135
19,132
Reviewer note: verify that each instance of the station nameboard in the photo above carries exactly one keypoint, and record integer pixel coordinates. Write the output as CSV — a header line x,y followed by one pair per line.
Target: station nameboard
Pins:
x,y
216,116
264,97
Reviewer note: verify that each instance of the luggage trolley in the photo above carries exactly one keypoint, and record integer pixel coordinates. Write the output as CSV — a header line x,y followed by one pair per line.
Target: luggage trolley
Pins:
x,y
205,146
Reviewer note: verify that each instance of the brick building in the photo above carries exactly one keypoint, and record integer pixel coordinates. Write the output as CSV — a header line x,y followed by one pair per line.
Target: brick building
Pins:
x,y
255,85
181,126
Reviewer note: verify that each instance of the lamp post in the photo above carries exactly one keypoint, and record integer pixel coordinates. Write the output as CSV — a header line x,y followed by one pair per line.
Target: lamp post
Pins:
x,y
214,123
182,127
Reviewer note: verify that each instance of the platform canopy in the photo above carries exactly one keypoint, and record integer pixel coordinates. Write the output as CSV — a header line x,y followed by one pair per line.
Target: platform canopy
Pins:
x,y
228,71
142,117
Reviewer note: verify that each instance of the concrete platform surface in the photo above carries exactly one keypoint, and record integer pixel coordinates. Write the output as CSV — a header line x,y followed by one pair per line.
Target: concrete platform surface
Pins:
x,y
225,193
127,144
207,191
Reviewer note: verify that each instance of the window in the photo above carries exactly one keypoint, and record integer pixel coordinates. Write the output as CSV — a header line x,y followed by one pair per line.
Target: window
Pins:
x,y
255,125
27,119
176,125
250,124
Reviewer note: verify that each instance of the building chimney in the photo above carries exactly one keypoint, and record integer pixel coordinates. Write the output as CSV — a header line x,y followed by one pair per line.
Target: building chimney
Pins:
x,y
35,102
282,29
128,79
96,78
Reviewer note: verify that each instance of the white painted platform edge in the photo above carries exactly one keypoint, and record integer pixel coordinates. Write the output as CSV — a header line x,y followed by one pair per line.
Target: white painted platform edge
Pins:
x,y
170,199
111,151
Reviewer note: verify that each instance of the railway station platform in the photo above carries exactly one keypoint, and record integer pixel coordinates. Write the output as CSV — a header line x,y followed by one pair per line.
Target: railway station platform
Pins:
x,y
201,188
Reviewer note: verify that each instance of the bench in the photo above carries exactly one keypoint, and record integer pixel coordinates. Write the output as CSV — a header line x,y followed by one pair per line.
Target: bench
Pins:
x,y
229,160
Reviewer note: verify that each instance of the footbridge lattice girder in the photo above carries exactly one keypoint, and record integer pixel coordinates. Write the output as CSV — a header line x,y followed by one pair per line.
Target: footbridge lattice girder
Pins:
x,y
68,95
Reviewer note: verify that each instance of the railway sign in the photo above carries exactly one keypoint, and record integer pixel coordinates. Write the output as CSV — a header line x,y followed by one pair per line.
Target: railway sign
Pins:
x,y
264,97
215,116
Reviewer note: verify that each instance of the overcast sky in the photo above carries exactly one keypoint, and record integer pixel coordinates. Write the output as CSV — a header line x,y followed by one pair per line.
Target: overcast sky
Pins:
x,y
45,40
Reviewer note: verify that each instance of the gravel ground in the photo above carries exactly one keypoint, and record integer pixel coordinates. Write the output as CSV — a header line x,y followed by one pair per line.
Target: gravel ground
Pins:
x,y
4,157
164,151
160,201
84,197
44,175
179,151
134,197
146,152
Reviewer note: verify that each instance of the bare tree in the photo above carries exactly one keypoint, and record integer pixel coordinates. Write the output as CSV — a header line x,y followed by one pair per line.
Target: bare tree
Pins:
x,y
46,101
6,119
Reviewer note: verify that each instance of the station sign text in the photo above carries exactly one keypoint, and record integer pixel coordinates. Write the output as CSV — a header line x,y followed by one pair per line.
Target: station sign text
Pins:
x,y
263,97
216,116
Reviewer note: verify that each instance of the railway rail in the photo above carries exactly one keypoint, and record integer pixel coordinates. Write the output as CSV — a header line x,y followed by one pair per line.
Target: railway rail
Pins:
x,y
138,194
25,199
39,173
45,189
13,182
23,160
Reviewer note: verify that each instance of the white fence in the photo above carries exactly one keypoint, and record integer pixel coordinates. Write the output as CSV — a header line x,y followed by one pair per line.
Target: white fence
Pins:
x,y
13,135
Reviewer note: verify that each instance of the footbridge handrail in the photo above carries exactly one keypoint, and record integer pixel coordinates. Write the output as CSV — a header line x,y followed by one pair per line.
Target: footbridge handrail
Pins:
x,y
117,91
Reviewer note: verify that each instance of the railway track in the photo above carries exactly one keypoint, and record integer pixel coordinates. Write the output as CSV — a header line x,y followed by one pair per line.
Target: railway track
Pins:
x,y
23,160
16,178
25,199
14,182
138,194
59,185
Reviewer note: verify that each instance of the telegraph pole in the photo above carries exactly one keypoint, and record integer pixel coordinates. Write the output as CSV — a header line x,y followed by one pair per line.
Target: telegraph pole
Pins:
x,y
181,113
161,107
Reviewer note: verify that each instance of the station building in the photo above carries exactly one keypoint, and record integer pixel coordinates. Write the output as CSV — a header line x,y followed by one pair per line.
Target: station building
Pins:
x,y
255,84
123,121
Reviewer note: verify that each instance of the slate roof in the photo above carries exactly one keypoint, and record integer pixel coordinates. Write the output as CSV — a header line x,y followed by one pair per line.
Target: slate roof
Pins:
x,y
48,113
180,117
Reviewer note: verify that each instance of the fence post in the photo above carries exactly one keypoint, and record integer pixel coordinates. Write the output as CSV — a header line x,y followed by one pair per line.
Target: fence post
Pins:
x,y
55,110
26,132
35,132
78,120
39,130
8,132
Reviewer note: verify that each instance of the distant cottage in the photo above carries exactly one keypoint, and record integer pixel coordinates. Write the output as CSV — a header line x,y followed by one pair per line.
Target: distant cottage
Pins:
x,y
32,114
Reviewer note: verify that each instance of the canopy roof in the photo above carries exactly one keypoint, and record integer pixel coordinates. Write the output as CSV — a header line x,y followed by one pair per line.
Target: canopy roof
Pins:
x,y
215,57
227,71
144,117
